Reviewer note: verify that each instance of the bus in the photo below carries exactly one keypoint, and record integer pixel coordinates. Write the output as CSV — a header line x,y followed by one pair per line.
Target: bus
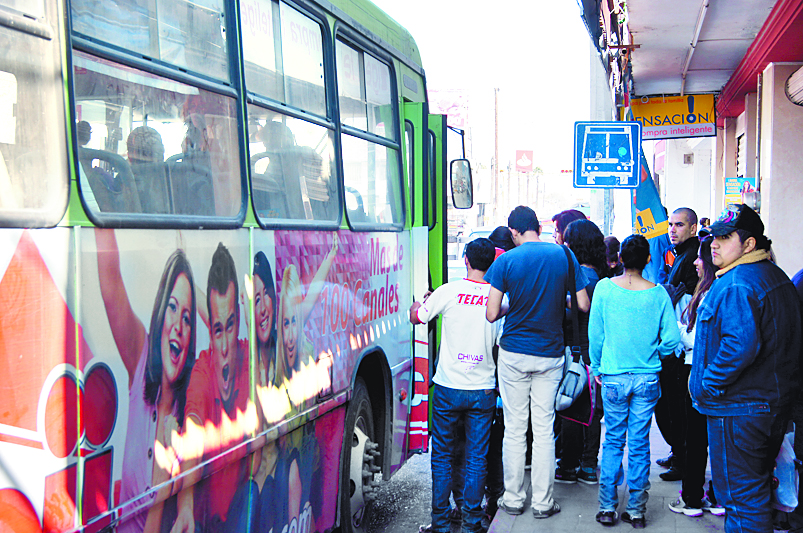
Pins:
x,y
215,215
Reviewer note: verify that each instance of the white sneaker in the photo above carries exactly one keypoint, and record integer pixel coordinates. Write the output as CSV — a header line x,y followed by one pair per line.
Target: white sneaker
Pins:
x,y
714,509
679,506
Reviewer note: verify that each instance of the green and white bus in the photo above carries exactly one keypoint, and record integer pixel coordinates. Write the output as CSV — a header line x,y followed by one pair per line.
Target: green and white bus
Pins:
x,y
215,215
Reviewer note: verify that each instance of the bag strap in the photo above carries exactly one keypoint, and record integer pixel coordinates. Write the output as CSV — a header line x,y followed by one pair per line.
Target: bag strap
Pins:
x,y
576,355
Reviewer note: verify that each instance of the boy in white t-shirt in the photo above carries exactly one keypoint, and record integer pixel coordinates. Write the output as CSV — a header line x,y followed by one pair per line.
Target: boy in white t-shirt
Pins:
x,y
464,385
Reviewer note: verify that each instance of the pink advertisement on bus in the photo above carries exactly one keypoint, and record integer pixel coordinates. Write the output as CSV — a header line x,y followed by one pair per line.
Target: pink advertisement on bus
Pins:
x,y
133,398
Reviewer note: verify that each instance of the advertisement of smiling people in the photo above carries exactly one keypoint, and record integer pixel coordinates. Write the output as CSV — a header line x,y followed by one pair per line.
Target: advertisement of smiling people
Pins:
x,y
174,337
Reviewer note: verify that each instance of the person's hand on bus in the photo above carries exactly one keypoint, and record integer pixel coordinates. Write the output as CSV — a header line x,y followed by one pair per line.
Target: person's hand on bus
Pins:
x,y
426,295
127,329
185,521
317,284
171,438
414,313
335,245
244,303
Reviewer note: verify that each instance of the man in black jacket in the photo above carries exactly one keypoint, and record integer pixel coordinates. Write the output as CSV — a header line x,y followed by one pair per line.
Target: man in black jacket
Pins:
x,y
683,235
670,412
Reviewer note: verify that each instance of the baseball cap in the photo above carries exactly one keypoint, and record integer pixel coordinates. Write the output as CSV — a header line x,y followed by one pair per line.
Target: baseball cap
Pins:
x,y
737,216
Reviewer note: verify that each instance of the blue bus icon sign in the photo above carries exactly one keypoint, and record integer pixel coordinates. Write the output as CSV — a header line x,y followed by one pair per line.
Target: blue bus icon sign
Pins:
x,y
606,154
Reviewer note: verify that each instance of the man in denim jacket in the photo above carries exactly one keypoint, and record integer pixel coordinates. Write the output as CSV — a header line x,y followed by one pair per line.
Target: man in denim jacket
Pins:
x,y
747,375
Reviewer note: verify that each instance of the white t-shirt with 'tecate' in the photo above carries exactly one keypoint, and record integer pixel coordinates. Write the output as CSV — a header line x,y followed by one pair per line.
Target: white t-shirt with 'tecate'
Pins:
x,y
467,338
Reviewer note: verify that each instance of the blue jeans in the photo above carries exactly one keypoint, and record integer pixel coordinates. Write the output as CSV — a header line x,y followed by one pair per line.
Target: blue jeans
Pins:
x,y
477,409
743,450
629,401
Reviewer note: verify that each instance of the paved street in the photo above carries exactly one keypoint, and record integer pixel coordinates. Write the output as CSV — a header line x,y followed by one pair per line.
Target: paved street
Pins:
x,y
403,504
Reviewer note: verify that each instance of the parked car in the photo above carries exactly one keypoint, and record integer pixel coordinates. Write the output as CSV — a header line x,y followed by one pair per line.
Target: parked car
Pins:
x,y
456,268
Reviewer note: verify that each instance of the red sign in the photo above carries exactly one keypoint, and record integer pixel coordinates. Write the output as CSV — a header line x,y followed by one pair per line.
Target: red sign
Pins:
x,y
524,160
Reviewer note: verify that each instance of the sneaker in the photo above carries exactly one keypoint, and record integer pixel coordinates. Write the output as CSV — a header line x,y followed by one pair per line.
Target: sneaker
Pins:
x,y
666,462
637,522
713,508
587,476
490,508
565,476
456,515
607,518
514,511
673,474
680,507
555,509
425,529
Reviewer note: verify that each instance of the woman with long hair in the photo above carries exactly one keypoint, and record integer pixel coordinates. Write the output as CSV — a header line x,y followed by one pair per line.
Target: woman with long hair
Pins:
x,y
580,444
265,317
294,349
631,328
692,500
159,362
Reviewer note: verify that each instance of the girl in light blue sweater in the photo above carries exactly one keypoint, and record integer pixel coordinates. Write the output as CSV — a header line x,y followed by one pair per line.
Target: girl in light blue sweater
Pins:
x,y
631,328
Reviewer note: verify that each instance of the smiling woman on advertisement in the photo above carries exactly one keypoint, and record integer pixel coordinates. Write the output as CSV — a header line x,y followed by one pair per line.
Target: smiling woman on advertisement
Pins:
x,y
159,365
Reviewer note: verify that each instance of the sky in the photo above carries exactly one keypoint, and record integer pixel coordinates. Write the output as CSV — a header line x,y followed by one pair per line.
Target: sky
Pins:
x,y
536,53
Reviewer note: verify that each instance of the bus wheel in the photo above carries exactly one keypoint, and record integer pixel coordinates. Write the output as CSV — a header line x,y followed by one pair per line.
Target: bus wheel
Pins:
x,y
358,487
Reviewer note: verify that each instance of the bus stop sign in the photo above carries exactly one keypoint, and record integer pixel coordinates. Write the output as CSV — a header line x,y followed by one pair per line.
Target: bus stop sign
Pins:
x,y
606,155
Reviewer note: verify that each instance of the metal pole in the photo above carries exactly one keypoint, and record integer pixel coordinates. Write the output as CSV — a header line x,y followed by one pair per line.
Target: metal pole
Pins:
x,y
495,195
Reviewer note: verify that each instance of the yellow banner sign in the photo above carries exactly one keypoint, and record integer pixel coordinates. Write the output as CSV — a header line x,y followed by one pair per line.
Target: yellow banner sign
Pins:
x,y
645,225
674,117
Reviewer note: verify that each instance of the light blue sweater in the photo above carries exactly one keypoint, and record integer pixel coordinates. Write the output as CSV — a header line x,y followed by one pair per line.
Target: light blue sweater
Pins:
x,y
630,331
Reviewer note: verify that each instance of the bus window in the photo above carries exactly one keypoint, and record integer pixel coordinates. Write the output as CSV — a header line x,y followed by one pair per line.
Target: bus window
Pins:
x,y
409,136
371,169
378,99
33,158
372,182
189,34
153,146
293,172
290,69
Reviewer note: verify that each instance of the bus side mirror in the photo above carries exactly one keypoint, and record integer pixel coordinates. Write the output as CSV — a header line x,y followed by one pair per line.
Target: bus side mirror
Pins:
x,y
462,189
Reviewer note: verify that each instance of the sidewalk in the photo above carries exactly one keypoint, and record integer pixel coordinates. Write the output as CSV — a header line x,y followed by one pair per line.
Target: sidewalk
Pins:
x,y
579,505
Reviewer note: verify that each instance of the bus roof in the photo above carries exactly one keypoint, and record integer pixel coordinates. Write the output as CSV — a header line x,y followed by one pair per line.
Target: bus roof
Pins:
x,y
364,16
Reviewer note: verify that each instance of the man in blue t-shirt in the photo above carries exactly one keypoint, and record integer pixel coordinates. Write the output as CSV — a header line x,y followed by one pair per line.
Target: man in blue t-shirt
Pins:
x,y
535,276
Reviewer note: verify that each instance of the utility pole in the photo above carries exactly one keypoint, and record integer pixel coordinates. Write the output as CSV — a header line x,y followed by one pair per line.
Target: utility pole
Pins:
x,y
527,198
495,196
509,197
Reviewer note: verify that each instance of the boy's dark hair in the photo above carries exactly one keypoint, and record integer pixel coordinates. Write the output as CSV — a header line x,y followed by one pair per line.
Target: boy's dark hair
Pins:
x,y
635,252
523,219
612,248
221,274
762,242
691,216
480,253
502,238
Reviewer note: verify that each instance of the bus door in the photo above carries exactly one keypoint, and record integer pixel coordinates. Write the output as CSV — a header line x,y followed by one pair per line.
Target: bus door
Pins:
x,y
415,119
436,221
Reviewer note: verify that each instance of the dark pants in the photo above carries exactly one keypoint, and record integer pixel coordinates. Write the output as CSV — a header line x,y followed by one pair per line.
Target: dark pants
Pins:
x,y
459,461
477,408
495,480
743,450
579,443
676,400
670,411
696,445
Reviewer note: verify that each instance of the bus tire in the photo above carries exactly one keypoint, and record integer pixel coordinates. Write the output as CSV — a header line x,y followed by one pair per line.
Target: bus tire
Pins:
x,y
357,484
